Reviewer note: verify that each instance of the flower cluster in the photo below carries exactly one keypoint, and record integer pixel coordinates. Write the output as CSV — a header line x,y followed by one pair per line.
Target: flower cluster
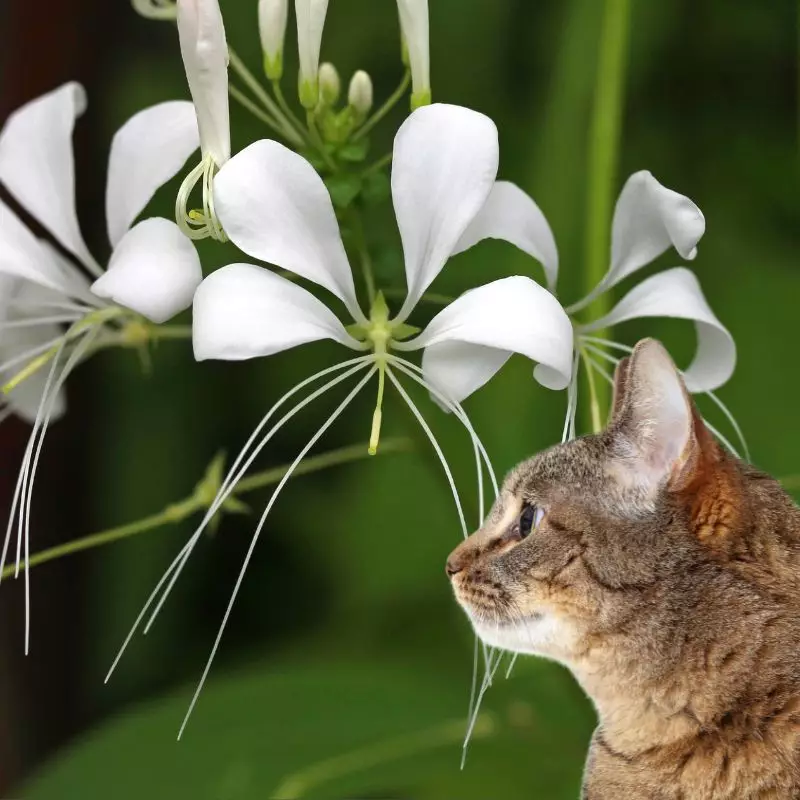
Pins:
x,y
284,205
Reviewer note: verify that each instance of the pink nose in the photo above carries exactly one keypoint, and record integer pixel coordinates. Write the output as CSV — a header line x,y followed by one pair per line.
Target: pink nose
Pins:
x,y
454,565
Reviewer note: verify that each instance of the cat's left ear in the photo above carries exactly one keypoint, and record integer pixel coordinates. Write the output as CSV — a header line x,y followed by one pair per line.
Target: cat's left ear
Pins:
x,y
656,434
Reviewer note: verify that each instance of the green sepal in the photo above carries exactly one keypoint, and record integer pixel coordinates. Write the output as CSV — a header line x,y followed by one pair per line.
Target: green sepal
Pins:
x,y
357,331
379,313
404,331
344,188
273,67
422,98
354,152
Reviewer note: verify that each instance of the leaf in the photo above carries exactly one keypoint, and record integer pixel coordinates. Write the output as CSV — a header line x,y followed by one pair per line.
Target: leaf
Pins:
x,y
344,187
376,188
355,152
334,730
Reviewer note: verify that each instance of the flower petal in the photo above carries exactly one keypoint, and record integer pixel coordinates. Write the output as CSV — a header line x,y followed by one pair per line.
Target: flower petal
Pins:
x,y
275,207
310,22
511,315
414,26
205,59
242,311
154,270
146,152
443,169
22,255
677,293
512,215
37,164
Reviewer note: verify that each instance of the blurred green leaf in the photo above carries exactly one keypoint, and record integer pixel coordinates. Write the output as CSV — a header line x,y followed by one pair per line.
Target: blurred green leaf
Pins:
x,y
354,152
343,187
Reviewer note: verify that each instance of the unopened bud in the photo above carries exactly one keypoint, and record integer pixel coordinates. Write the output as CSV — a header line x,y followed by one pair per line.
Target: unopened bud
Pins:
x,y
310,22
330,86
272,16
359,93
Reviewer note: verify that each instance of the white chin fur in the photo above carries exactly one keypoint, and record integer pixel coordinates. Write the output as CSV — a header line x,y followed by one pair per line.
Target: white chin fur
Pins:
x,y
543,636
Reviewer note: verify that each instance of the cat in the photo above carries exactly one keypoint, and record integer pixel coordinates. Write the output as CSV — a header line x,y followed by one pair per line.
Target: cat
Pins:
x,y
665,574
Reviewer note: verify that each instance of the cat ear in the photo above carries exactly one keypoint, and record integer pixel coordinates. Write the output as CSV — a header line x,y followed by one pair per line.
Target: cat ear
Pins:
x,y
653,428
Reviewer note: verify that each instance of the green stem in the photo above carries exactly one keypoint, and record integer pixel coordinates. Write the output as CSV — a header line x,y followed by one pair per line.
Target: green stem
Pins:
x,y
160,332
390,103
177,512
603,157
300,783
286,108
594,399
257,112
269,104
363,255
316,140
377,165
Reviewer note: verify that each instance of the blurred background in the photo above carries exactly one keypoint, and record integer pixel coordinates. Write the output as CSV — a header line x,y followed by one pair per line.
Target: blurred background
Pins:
x,y
345,670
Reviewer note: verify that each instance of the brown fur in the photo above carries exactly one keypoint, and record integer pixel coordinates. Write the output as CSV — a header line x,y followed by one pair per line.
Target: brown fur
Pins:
x,y
676,605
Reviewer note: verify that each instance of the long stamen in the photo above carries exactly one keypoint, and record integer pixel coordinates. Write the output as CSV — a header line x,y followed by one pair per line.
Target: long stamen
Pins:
x,y
311,442
377,415
28,354
572,401
734,424
32,323
233,478
199,224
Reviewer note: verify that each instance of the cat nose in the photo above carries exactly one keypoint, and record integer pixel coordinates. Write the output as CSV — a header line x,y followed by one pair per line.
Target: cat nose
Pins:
x,y
454,565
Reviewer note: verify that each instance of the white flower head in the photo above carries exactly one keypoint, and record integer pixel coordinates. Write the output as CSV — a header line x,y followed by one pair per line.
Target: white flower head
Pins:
x,y
275,208
310,23
153,269
272,16
416,48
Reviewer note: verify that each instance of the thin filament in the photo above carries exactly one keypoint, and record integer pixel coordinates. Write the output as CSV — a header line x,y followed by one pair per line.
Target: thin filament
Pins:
x,y
311,442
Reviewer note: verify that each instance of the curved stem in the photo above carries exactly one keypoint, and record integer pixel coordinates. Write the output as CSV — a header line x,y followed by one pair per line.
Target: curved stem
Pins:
x,y
603,158
177,512
390,103
375,166
317,141
244,101
286,108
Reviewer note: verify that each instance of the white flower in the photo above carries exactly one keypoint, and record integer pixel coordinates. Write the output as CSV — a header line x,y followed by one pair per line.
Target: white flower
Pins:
x,y
153,269
310,22
275,207
414,30
648,220
205,59
272,15
359,93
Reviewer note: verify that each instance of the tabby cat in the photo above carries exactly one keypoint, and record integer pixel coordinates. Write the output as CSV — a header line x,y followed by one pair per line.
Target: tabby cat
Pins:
x,y
665,574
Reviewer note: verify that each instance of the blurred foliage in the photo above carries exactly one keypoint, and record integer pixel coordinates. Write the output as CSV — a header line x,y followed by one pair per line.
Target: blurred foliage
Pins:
x,y
345,620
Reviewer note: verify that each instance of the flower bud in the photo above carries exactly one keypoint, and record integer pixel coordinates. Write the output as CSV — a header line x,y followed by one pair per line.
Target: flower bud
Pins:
x,y
415,48
272,16
156,9
310,22
330,86
359,93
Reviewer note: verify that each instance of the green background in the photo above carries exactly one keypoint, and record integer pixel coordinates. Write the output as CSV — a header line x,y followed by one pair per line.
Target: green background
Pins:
x,y
345,637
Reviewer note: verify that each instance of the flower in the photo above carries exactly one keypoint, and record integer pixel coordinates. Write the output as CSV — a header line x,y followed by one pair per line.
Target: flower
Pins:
x,y
275,208
205,58
359,93
272,15
648,219
153,269
416,49
330,85
310,22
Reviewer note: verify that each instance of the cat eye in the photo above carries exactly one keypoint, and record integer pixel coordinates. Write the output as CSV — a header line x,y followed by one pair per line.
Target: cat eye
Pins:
x,y
529,519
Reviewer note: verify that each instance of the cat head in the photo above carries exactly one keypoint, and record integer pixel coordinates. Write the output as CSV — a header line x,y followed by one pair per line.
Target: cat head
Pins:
x,y
594,537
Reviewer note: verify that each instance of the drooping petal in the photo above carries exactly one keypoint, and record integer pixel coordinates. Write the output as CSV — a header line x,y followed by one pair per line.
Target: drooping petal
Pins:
x,y
242,311
205,58
22,255
677,293
414,28
310,22
443,169
469,340
275,207
154,270
37,164
648,220
146,152
512,215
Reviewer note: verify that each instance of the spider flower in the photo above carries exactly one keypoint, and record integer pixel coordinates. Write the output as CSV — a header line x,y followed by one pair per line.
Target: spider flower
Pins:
x,y
153,269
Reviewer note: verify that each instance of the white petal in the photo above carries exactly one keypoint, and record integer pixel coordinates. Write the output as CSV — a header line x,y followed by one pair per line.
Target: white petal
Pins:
x,y
274,206
272,15
443,169
154,270
146,152
205,58
414,27
677,293
242,311
310,22
37,164
511,315
513,216
22,255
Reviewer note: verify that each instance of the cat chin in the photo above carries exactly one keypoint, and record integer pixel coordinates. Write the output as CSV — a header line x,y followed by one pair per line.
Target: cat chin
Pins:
x,y
541,635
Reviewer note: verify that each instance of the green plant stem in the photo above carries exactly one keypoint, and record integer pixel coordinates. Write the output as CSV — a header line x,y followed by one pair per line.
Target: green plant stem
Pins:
x,y
363,255
390,103
604,137
177,512
261,94
317,141
377,165
303,781
594,399
286,108
159,332
257,112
